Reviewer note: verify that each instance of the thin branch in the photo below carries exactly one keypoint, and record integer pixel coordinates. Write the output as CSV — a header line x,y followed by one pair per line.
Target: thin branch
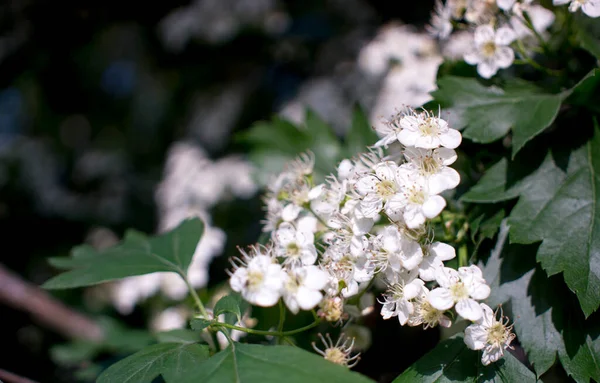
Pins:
x,y
23,295
9,377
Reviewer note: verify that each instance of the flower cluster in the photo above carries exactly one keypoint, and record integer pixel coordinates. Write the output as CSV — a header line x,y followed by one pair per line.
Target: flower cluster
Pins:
x,y
497,28
370,222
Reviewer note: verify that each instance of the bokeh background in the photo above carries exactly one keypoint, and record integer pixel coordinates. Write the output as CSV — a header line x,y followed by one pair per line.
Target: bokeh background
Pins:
x,y
128,114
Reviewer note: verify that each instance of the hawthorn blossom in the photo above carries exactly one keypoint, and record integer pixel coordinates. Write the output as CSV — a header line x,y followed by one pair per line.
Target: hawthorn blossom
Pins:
x,y
589,7
378,188
258,278
463,288
423,130
295,246
433,165
437,253
397,299
416,202
339,352
395,251
302,287
489,334
425,314
491,50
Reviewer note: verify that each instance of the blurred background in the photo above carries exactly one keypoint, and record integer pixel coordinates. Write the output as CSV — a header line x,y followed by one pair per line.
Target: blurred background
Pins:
x,y
117,115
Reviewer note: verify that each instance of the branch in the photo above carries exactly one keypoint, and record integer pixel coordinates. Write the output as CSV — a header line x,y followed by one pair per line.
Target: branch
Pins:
x,y
25,296
9,377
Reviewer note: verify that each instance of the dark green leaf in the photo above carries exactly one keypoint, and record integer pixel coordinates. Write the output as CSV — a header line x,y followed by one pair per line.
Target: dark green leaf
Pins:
x,y
180,335
228,304
253,363
199,324
580,356
173,361
452,361
136,255
489,113
361,133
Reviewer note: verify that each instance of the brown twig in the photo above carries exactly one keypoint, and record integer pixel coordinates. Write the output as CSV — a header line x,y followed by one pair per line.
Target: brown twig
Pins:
x,y
9,377
23,295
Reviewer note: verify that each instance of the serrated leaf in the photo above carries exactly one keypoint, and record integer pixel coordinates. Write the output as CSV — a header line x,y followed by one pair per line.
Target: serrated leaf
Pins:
x,y
171,360
199,324
228,304
452,361
544,321
137,255
361,134
488,113
180,335
253,363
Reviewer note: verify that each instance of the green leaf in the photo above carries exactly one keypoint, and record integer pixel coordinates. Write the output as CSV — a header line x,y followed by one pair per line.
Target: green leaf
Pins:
x,y
173,361
180,335
253,363
361,134
199,324
452,361
587,34
229,304
542,313
489,113
136,255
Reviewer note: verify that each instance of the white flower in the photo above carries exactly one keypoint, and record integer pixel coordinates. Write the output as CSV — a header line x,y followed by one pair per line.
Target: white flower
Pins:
x,y
395,250
491,51
338,352
505,5
397,299
302,287
462,288
438,252
423,130
589,7
490,335
433,166
258,278
541,18
416,200
427,315
441,21
378,188
295,246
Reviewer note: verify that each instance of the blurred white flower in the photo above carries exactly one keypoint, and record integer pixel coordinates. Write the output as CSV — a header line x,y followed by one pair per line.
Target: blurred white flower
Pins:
x,y
589,7
491,50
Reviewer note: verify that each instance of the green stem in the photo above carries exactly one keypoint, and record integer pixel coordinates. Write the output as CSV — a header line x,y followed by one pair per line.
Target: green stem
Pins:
x,y
266,333
281,316
197,299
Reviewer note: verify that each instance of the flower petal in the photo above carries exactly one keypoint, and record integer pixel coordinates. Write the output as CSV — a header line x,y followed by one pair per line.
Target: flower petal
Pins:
x,y
307,298
441,299
433,206
469,309
476,337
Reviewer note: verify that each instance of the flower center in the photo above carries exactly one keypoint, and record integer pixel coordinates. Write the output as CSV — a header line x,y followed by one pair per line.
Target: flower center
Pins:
x,y
429,314
336,356
429,166
293,250
386,188
489,49
429,127
497,334
255,279
416,196
459,291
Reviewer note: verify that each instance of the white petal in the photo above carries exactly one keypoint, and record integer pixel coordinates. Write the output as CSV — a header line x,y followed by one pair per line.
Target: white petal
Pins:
x,y
238,279
479,291
473,57
504,36
451,139
291,303
591,8
446,178
448,156
315,278
491,354
265,298
386,171
442,251
469,309
412,254
433,206
560,2
367,184
410,123
388,310
408,137
403,309
290,212
446,277
413,289
504,57
483,34
315,192
487,320
361,226
441,299
487,69
307,298
505,4
308,255
413,217
475,337
428,268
